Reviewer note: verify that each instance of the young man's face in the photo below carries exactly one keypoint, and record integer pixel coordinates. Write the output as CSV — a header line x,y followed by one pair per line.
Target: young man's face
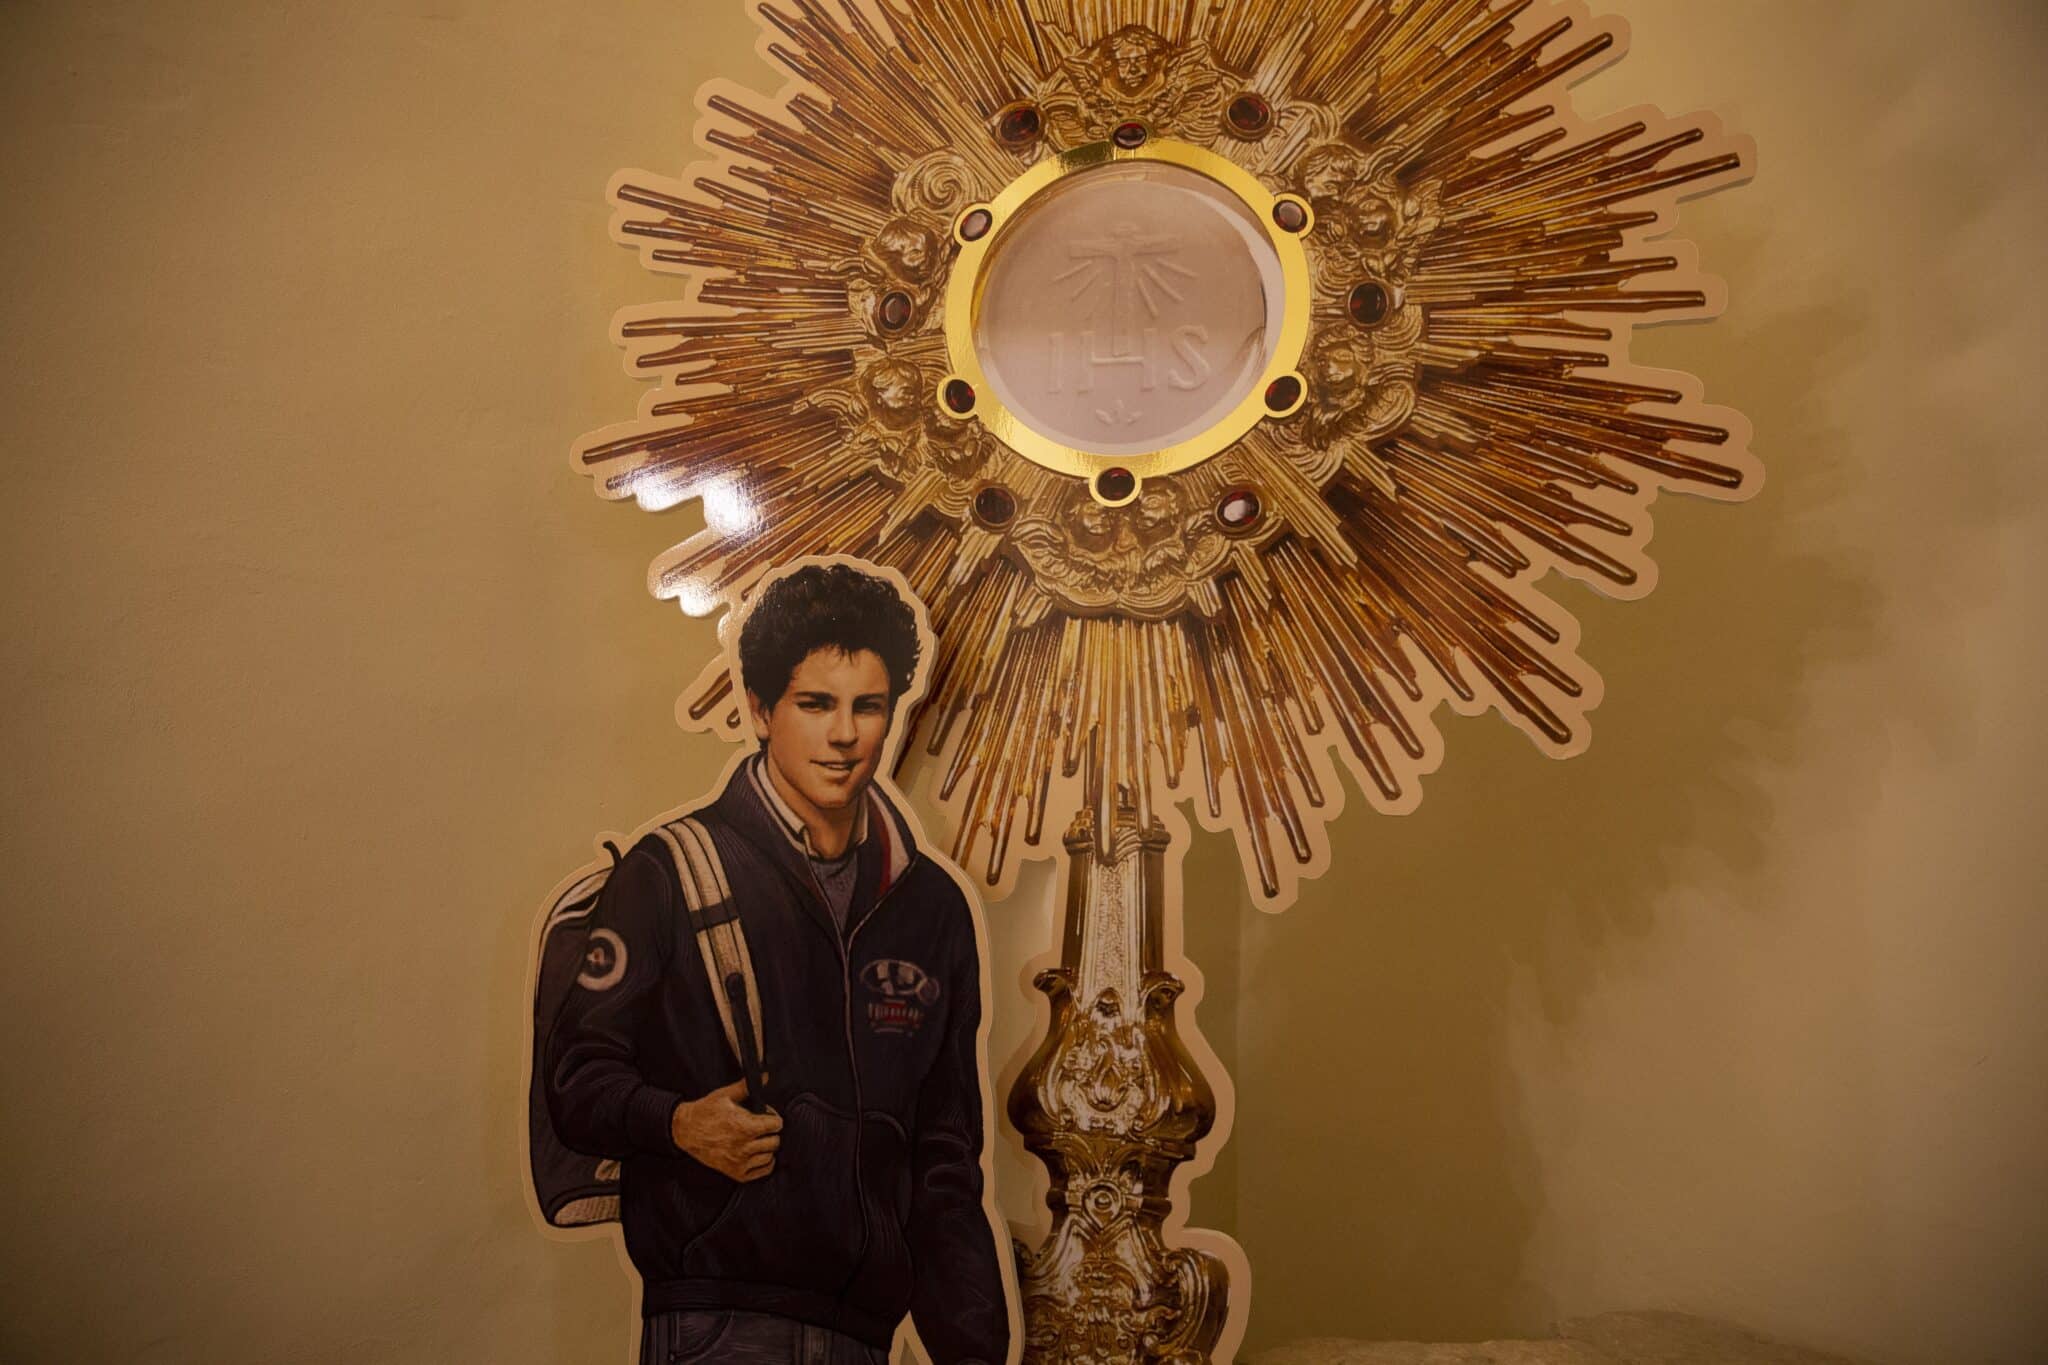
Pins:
x,y
825,734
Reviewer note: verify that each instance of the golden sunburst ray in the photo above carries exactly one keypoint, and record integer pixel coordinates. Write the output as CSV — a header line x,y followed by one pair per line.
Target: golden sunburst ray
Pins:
x,y
1466,418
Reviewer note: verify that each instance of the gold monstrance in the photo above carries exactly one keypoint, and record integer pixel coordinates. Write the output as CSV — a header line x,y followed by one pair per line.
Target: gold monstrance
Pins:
x,y
1224,376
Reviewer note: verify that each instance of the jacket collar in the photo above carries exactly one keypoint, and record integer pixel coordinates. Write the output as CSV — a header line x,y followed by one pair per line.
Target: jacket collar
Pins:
x,y
790,823
757,810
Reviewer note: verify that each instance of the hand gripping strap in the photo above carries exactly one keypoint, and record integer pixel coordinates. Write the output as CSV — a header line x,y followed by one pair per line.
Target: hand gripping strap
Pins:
x,y
721,940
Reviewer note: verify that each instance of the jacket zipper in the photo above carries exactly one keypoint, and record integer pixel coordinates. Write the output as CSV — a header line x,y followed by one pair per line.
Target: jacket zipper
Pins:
x,y
860,1120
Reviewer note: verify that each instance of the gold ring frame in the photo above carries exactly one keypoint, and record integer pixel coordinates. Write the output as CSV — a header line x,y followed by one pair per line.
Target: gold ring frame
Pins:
x,y
969,278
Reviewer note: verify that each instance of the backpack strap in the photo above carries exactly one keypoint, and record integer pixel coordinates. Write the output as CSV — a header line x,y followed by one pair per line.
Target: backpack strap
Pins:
x,y
721,942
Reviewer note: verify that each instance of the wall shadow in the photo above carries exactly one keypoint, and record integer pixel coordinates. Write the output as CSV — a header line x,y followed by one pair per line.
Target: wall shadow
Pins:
x,y
1387,1185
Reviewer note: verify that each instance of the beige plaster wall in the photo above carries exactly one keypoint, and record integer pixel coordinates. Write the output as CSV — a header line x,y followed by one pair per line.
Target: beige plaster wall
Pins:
x,y
321,666
1740,1012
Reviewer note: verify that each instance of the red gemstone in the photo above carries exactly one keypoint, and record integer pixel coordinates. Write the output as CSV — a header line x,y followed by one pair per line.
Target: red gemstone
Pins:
x,y
1239,510
994,506
1291,215
960,396
974,225
895,311
1115,484
1129,135
1370,303
1018,125
1283,393
1249,115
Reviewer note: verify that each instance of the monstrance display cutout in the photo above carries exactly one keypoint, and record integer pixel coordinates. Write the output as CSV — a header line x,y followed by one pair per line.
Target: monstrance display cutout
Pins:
x,y
1225,378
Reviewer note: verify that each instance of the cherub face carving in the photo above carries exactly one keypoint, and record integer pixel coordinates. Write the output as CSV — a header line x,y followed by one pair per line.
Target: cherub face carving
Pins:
x,y
1337,373
893,394
1130,531
1328,172
1092,527
1135,56
907,249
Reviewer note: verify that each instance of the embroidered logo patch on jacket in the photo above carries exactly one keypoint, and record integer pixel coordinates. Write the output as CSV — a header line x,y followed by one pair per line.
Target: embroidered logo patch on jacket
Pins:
x,y
904,990
604,961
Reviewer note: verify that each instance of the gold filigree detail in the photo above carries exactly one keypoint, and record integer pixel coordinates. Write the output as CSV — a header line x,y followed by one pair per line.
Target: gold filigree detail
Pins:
x,y
1100,1073
1370,224
913,249
936,187
1361,385
1356,388
1111,1102
888,423
1134,75
1371,228
1146,559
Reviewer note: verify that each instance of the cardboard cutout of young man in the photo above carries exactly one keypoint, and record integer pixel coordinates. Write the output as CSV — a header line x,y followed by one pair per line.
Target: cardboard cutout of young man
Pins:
x,y
759,1039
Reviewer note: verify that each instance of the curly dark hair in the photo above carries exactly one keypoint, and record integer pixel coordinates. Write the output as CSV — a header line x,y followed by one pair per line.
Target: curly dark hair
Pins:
x,y
826,606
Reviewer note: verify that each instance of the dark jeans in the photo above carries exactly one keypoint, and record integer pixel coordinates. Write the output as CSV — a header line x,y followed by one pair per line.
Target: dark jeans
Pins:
x,y
731,1338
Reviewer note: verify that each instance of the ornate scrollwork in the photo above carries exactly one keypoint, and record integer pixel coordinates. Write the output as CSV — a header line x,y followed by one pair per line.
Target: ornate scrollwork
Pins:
x,y
1369,223
1101,1074
1362,372
1134,75
907,255
1146,559
1111,1103
888,421
936,186
1361,386
1356,389
885,409
910,252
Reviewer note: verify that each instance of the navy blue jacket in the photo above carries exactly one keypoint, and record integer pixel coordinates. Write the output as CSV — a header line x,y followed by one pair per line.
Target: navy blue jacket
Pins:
x,y
874,1208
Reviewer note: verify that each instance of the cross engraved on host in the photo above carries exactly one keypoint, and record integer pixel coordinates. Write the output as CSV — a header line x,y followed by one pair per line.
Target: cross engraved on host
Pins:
x,y
1128,309
1128,273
